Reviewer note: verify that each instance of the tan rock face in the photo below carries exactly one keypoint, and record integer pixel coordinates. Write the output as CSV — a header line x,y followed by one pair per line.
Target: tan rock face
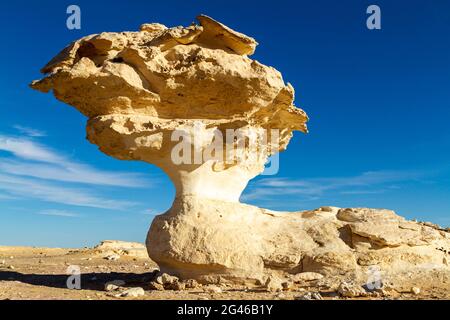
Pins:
x,y
146,91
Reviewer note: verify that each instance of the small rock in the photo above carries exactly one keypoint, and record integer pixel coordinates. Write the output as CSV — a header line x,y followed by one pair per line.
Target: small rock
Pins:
x,y
307,276
133,292
273,284
280,296
11,267
213,289
191,284
156,286
2,262
287,285
415,290
309,296
351,290
114,285
111,287
167,279
176,285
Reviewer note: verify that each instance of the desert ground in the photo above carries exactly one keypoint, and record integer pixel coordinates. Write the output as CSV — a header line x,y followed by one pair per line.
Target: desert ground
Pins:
x,y
30,273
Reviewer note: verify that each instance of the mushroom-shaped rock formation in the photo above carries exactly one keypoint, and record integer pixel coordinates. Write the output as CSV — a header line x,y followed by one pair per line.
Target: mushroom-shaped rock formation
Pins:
x,y
192,102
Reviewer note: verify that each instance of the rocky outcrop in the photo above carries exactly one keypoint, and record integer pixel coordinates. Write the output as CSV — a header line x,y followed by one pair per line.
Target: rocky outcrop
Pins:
x,y
150,93
111,248
210,240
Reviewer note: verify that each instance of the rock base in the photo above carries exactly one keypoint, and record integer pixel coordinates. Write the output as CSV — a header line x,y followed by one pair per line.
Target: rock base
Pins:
x,y
212,240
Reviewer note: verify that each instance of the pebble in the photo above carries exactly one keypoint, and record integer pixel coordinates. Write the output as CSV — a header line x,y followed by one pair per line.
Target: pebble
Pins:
x,y
114,285
133,292
351,290
288,285
213,289
156,286
309,296
191,284
415,290
168,279
273,284
176,285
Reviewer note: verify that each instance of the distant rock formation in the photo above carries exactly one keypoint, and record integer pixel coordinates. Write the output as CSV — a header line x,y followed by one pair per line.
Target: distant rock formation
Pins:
x,y
138,89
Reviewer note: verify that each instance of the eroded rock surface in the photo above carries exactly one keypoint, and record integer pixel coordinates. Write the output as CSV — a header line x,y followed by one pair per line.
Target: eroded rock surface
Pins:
x,y
138,88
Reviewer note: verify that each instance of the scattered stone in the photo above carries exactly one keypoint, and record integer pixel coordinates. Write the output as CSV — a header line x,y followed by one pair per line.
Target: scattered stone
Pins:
x,y
280,296
2,262
11,267
287,285
415,290
133,292
273,284
114,285
191,284
156,286
309,296
111,287
167,279
213,289
175,285
307,276
351,290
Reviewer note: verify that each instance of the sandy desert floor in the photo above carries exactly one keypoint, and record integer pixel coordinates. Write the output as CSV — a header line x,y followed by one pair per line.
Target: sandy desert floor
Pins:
x,y
41,274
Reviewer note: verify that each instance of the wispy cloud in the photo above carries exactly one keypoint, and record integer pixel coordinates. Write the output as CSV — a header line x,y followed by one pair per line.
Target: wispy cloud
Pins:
x,y
35,189
27,149
29,169
30,131
315,188
48,164
7,197
72,172
59,213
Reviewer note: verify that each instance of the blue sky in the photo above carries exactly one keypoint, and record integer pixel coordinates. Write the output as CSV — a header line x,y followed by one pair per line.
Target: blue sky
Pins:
x,y
379,104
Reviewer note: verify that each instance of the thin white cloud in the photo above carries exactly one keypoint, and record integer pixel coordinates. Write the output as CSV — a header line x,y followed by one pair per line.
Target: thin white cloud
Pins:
x,y
29,150
7,197
314,188
71,172
44,163
35,189
30,131
59,213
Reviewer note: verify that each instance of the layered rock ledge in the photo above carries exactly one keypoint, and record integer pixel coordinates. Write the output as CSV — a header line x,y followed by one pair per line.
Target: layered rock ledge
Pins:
x,y
138,89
